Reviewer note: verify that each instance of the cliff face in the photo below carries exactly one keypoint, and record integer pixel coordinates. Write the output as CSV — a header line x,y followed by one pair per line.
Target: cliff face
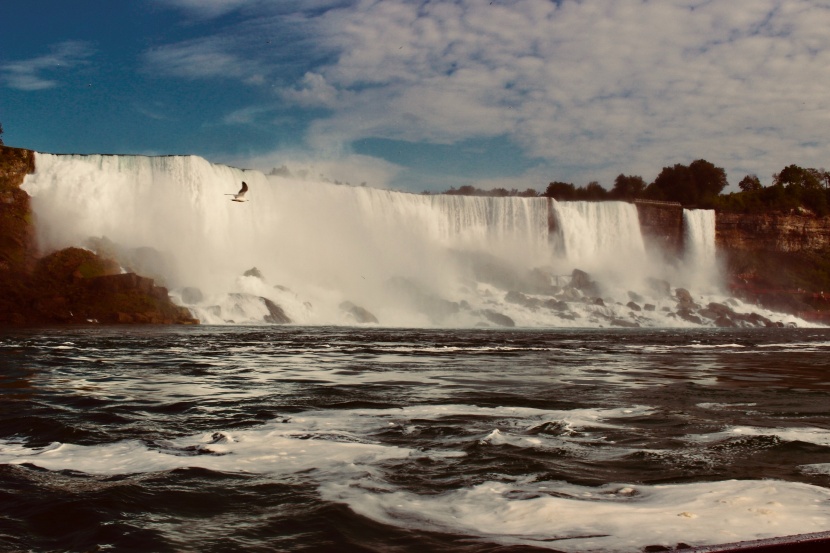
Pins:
x,y
68,286
773,232
780,260
662,225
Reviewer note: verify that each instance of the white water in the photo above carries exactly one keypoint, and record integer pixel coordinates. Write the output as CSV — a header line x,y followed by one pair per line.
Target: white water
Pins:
x,y
415,260
338,451
699,241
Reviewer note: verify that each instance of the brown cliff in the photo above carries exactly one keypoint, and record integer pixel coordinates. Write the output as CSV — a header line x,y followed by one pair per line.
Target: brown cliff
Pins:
x,y
661,224
69,286
781,260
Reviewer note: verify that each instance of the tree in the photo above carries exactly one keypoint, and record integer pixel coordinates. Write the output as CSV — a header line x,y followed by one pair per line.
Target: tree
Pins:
x,y
698,184
592,191
750,183
628,187
795,177
560,191
803,186
1,134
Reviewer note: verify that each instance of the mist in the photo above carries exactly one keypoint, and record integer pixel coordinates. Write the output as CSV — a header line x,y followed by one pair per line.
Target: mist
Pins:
x,y
310,247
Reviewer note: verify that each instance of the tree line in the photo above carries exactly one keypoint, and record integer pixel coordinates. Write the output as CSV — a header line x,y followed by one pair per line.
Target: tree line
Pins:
x,y
699,184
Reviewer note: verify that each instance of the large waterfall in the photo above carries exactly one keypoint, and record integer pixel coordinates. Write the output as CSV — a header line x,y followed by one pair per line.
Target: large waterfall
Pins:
x,y
337,254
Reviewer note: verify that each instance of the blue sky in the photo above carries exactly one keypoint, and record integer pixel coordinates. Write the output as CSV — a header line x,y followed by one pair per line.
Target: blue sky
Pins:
x,y
424,95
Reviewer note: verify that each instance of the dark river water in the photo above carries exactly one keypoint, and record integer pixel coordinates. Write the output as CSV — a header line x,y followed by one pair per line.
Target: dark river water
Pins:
x,y
397,440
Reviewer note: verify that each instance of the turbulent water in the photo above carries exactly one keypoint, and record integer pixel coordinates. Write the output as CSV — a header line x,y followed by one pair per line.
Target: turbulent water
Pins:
x,y
264,438
337,254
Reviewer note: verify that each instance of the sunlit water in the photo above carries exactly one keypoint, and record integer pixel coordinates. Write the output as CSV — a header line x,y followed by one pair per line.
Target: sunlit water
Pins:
x,y
347,439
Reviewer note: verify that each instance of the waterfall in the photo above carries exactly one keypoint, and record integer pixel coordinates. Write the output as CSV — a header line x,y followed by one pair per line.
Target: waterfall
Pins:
x,y
408,259
699,245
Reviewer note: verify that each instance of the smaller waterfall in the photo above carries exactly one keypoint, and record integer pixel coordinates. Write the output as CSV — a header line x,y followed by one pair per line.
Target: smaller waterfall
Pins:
x,y
699,243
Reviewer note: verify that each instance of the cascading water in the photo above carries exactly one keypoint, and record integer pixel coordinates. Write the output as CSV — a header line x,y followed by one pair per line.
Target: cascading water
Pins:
x,y
699,242
330,254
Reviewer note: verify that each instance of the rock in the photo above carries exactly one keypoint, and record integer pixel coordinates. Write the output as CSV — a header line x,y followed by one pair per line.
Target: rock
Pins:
x,y
623,323
633,306
253,272
635,297
498,318
709,314
359,314
650,307
725,322
556,305
721,309
687,315
582,282
521,299
275,313
683,295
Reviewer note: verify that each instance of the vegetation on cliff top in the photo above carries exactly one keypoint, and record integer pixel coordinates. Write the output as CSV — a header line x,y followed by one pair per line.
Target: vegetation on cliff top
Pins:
x,y
700,185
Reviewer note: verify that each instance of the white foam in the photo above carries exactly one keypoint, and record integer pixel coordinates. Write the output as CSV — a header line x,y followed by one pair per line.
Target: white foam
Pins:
x,y
611,518
818,436
313,439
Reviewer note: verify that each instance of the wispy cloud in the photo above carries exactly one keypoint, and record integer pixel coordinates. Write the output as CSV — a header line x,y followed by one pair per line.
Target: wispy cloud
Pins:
x,y
200,58
43,72
595,88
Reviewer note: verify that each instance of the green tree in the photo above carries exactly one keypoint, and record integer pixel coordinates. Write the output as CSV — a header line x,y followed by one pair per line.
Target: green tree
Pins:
x,y
560,191
750,183
628,187
805,186
698,184
593,191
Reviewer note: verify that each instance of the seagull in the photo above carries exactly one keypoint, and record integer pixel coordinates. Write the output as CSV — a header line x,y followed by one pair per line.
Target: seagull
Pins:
x,y
239,196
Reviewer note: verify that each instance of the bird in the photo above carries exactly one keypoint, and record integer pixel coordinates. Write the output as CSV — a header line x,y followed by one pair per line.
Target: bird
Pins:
x,y
239,196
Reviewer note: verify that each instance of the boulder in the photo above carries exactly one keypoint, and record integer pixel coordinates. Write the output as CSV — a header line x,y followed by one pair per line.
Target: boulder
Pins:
x,y
556,305
521,299
358,313
624,324
275,313
633,306
498,318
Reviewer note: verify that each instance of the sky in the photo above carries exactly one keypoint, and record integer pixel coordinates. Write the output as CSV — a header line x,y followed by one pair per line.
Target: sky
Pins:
x,y
425,95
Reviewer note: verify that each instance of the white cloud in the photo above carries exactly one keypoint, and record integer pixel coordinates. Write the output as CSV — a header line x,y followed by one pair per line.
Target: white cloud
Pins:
x,y
200,59
595,88
39,73
312,91
613,83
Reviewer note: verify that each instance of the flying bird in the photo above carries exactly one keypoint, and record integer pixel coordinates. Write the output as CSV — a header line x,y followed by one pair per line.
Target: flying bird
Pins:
x,y
239,196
